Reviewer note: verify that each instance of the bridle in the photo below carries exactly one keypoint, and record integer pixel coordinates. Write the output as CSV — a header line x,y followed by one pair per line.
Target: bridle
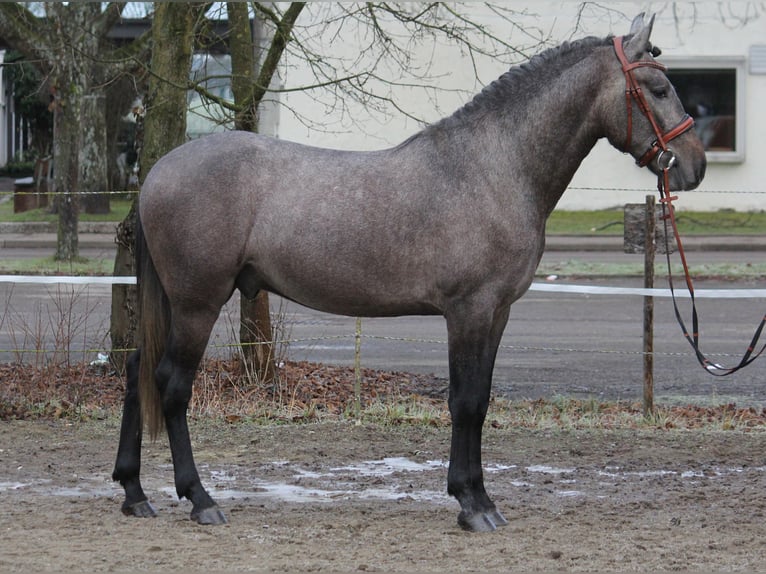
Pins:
x,y
666,159
633,92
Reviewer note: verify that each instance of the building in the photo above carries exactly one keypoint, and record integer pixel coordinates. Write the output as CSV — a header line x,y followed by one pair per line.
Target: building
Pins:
x,y
716,53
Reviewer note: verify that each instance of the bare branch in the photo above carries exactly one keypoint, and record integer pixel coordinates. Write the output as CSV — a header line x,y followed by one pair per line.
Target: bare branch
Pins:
x,y
281,38
108,18
26,33
387,38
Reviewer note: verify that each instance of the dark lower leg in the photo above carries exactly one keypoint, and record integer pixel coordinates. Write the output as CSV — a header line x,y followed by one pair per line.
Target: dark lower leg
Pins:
x,y
472,351
127,467
465,480
176,396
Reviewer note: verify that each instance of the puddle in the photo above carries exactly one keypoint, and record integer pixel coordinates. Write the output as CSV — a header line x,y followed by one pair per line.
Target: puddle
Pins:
x,y
497,467
278,491
569,493
389,466
333,484
389,478
549,469
86,488
6,486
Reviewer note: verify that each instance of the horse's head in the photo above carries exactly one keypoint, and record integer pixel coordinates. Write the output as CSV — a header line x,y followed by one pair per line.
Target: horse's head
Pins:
x,y
644,115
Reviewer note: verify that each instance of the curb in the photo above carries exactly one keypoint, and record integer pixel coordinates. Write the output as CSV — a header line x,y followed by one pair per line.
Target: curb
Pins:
x,y
31,227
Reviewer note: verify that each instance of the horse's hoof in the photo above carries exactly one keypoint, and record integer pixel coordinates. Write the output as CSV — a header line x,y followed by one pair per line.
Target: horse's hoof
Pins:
x,y
481,521
498,518
210,515
142,509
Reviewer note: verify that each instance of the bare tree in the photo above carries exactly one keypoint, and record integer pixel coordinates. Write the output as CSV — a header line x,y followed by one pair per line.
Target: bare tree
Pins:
x,y
255,334
386,35
164,128
69,47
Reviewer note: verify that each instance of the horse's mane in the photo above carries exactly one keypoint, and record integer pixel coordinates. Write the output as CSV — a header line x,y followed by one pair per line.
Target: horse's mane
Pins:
x,y
520,82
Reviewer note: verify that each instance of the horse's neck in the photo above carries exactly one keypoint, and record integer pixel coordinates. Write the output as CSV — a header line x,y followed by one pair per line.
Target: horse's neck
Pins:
x,y
543,140
558,153
560,131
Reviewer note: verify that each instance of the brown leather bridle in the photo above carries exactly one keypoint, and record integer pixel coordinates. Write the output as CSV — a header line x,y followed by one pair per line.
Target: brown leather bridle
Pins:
x,y
633,93
665,161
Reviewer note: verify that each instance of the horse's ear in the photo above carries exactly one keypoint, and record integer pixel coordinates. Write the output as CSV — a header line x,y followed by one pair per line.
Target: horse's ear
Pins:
x,y
637,24
639,41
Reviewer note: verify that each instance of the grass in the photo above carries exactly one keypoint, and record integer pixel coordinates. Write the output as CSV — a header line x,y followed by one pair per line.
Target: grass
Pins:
x,y
212,400
610,222
49,266
75,393
119,209
564,413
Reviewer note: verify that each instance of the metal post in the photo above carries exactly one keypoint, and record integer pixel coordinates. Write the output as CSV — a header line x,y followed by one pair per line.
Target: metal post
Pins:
x,y
649,250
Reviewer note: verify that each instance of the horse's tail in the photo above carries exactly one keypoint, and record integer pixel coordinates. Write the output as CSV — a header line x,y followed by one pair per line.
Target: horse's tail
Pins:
x,y
153,330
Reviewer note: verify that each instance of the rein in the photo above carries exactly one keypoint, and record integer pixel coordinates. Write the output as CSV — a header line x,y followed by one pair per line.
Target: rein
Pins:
x,y
668,215
660,149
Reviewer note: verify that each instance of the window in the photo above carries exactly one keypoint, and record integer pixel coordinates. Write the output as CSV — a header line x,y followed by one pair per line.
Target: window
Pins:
x,y
712,91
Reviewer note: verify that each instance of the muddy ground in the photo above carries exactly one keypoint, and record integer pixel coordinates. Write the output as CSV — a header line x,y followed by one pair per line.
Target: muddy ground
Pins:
x,y
340,497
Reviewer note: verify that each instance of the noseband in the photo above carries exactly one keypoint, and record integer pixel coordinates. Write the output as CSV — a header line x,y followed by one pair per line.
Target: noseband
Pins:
x,y
633,91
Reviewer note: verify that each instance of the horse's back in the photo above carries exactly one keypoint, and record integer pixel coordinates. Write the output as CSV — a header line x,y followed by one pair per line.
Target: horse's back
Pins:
x,y
375,233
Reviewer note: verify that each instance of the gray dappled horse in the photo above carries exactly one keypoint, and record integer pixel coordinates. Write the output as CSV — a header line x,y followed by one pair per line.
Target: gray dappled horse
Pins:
x,y
450,222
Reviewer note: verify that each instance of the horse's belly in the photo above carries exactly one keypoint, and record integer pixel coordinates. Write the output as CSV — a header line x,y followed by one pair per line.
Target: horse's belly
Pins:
x,y
365,301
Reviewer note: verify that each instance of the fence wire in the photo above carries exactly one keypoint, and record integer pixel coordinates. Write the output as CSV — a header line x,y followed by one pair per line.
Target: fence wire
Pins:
x,y
95,351
572,188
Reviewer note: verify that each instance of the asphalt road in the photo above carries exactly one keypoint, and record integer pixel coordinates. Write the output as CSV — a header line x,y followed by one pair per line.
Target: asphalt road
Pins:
x,y
564,344
555,343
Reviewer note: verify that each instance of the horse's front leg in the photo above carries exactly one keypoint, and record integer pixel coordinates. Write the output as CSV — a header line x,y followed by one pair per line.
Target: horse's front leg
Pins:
x,y
473,341
127,467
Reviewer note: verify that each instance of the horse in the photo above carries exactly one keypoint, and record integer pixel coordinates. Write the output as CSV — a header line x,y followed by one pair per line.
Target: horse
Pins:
x,y
450,222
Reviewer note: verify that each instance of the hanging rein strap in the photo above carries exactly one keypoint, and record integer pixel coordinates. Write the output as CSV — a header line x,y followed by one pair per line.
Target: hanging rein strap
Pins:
x,y
668,216
665,161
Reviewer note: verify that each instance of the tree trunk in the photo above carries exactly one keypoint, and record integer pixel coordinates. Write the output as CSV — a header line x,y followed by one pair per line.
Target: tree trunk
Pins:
x,y
255,333
93,154
66,172
164,129
124,315
73,75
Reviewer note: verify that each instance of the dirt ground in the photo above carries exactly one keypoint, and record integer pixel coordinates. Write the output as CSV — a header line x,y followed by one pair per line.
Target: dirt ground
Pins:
x,y
339,497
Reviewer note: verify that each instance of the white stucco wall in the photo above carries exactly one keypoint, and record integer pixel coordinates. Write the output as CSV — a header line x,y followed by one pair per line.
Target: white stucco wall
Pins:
x,y
682,29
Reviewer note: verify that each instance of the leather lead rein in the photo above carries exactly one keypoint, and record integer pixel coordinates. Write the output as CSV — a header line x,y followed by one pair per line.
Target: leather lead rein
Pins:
x,y
659,149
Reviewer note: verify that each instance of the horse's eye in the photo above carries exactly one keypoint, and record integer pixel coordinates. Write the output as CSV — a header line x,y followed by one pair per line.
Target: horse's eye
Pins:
x,y
660,93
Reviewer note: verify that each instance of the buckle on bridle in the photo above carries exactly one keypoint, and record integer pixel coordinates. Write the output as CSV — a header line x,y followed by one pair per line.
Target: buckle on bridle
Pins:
x,y
668,157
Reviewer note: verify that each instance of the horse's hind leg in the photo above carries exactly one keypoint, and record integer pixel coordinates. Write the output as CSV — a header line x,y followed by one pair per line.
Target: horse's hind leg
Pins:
x,y
175,375
474,337
128,464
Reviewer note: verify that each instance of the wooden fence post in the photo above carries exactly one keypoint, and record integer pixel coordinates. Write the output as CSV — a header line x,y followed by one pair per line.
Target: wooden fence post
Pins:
x,y
358,371
649,250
